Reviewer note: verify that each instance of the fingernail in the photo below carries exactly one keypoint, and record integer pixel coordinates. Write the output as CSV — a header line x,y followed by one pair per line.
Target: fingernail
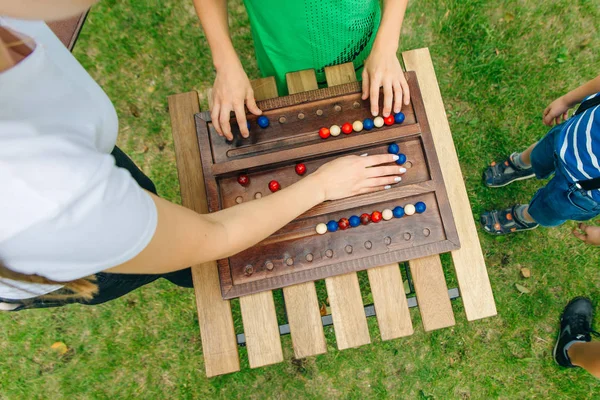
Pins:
x,y
364,155
374,112
402,170
395,157
397,179
387,187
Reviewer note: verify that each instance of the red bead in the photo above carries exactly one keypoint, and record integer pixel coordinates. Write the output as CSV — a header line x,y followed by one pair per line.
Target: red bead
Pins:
x,y
365,219
344,224
376,216
347,127
324,133
274,186
389,120
300,169
243,180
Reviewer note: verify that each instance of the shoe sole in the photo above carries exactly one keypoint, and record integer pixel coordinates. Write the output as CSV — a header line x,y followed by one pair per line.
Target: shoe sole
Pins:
x,y
509,182
509,233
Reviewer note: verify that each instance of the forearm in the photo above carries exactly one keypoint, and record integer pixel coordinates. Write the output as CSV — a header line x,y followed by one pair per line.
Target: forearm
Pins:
x,y
214,20
577,95
391,24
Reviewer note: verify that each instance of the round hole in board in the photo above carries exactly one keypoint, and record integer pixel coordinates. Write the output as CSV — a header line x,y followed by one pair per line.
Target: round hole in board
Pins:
x,y
249,270
282,120
407,236
257,195
289,261
349,249
319,112
301,116
329,253
407,164
426,232
356,104
368,245
387,240
309,257
269,265
337,108
239,200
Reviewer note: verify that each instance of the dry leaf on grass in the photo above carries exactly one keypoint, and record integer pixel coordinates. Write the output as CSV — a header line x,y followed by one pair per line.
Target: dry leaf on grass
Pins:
x,y
60,348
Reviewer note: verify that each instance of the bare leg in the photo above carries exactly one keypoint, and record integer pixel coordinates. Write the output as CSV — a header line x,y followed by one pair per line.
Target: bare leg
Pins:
x,y
526,155
587,356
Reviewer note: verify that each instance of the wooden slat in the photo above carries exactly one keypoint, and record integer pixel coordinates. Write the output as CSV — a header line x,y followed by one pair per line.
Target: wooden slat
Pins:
x,y
471,272
264,88
261,329
68,30
301,81
390,302
301,301
219,343
432,292
349,319
340,74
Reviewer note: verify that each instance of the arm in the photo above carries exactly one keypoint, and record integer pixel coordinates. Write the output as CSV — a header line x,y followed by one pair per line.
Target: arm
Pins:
x,y
231,87
185,238
557,111
382,67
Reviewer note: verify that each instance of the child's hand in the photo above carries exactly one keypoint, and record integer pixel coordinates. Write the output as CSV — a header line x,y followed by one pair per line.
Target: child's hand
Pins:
x,y
382,68
353,175
588,234
556,112
230,91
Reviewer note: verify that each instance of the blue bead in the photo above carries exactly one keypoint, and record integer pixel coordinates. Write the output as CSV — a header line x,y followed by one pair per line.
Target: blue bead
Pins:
x,y
399,118
354,221
420,207
263,121
398,212
248,123
368,124
393,148
401,159
332,226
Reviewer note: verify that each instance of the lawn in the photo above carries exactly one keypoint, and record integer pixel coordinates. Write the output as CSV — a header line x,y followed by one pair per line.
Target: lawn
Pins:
x,y
498,63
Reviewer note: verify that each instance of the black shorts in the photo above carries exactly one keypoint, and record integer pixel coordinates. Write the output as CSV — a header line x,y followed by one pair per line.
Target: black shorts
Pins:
x,y
112,286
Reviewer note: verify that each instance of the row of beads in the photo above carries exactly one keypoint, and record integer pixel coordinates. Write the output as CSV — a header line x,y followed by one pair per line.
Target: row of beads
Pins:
x,y
274,186
375,216
357,126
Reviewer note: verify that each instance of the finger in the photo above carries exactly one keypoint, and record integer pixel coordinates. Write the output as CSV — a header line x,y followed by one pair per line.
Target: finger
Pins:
x,y
546,111
374,94
584,227
214,116
378,159
388,98
566,116
240,116
224,118
382,181
365,85
579,235
251,104
397,96
374,172
405,91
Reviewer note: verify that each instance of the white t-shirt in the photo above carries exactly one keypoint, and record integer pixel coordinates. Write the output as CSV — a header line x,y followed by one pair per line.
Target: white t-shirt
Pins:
x,y
66,210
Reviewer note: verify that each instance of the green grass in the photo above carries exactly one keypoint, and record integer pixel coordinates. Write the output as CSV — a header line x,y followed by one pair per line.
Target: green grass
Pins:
x,y
498,64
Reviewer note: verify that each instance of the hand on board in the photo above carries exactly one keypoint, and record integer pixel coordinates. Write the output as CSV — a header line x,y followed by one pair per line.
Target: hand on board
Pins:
x,y
231,91
588,234
382,69
557,112
352,175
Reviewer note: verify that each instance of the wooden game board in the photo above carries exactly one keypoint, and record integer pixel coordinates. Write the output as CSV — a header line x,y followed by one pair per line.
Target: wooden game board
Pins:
x,y
297,253
261,329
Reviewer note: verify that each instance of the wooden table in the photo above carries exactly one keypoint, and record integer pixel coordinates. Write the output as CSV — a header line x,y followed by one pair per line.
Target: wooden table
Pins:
x,y
261,329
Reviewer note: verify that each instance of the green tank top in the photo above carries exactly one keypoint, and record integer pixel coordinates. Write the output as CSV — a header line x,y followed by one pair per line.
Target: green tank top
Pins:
x,y
292,35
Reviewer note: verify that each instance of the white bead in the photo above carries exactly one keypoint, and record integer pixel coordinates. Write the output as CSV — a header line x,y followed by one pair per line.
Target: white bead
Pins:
x,y
321,228
357,126
335,130
387,214
378,122
409,209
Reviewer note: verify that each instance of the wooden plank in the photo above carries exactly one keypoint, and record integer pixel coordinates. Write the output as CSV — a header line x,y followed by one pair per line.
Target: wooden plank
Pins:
x,y
301,301
219,342
471,272
261,329
68,30
349,319
301,81
432,292
340,74
390,302
264,88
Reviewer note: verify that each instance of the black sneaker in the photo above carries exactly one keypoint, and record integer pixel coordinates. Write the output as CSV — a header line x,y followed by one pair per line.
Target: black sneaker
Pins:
x,y
500,174
575,326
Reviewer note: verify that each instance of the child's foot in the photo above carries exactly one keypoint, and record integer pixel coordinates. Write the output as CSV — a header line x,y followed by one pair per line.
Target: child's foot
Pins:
x,y
502,222
575,326
500,174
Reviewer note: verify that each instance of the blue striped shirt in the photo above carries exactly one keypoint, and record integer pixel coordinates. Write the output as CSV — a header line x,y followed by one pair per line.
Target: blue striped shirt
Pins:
x,y
579,146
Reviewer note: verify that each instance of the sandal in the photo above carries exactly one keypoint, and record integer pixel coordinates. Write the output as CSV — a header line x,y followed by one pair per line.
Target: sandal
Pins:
x,y
500,174
502,222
